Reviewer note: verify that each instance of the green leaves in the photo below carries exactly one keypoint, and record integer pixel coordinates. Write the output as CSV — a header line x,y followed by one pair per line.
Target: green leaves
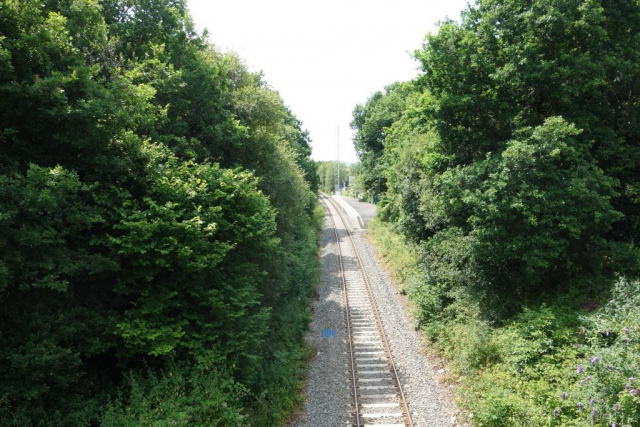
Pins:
x,y
155,207
542,202
508,142
42,211
181,243
512,166
371,122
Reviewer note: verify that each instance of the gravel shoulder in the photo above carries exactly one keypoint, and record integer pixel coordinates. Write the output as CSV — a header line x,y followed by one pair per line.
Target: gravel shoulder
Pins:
x,y
327,395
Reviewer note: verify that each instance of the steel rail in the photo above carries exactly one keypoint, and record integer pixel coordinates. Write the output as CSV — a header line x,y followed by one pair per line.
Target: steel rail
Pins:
x,y
396,378
346,302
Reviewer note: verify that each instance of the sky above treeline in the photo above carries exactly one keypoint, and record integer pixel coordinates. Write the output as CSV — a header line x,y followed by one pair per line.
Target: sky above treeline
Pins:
x,y
324,57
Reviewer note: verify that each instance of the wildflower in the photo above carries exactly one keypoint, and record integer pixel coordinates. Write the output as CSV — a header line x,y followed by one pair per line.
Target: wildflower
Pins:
x,y
631,379
594,359
634,392
606,333
565,395
579,369
627,330
614,425
591,402
627,386
588,378
612,301
593,416
582,382
580,406
556,412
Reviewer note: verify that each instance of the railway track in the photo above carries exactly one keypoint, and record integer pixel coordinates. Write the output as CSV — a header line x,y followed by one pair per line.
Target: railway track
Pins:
x,y
378,398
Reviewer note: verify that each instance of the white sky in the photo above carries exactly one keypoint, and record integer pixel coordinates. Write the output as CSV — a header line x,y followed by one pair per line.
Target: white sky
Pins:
x,y
324,57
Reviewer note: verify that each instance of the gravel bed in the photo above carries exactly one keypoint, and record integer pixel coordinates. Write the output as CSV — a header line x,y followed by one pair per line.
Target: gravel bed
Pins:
x,y
328,396
328,399
426,399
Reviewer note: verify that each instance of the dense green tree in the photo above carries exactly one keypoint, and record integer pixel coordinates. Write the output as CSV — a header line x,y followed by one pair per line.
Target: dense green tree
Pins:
x,y
512,173
371,122
513,158
157,222
510,65
326,175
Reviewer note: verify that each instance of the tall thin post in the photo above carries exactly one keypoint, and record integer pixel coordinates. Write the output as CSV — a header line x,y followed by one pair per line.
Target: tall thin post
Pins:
x,y
336,174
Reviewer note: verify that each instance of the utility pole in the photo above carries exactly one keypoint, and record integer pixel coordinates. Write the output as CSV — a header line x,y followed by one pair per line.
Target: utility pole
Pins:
x,y
336,173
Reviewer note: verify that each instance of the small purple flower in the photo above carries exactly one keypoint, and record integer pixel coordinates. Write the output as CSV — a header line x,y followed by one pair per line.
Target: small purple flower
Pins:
x,y
588,378
582,382
565,395
631,379
612,301
580,406
579,369
593,416
556,412
594,359
627,386
627,330
634,392
606,333
614,425
591,402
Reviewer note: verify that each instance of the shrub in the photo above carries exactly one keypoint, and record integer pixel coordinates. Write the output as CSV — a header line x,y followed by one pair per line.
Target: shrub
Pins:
x,y
606,380
524,371
178,397
156,213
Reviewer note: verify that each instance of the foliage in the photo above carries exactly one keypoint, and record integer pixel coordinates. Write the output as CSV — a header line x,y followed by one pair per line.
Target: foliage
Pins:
x,y
326,175
371,122
502,160
511,65
510,169
535,215
181,397
159,223
537,367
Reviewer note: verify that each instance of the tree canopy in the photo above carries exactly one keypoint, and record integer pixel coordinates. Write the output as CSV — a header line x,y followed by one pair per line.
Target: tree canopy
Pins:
x,y
157,220
518,141
510,165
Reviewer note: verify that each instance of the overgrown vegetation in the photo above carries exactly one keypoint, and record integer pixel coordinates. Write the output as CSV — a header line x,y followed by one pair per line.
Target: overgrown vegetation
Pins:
x,y
327,173
509,168
158,223
551,364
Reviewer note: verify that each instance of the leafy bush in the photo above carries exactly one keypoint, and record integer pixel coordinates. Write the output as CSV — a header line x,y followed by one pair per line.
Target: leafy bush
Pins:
x,y
503,159
509,166
179,397
536,367
159,223
605,379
